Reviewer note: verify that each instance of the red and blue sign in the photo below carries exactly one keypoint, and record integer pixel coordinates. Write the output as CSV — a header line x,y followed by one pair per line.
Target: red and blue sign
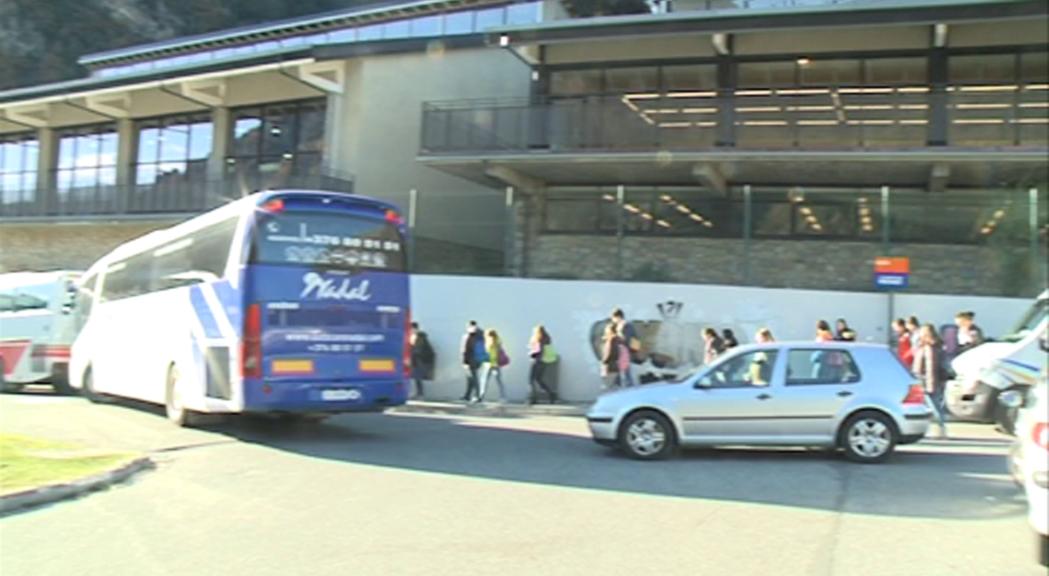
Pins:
x,y
891,273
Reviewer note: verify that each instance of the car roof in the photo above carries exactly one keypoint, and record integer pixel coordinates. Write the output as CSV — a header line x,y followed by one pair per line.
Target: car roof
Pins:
x,y
811,344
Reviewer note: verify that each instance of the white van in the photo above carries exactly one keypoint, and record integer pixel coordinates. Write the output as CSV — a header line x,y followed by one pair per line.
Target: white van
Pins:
x,y
986,371
36,328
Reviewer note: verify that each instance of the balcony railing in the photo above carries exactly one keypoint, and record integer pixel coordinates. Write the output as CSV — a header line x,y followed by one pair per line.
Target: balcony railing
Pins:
x,y
868,117
180,196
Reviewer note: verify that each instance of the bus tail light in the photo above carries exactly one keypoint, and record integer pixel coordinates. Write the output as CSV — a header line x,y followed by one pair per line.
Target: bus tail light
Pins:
x,y
1040,435
915,395
407,351
251,343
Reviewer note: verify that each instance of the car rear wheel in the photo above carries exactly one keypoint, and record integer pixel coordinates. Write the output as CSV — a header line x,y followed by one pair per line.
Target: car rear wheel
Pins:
x,y
647,435
868,437
174,407
5,386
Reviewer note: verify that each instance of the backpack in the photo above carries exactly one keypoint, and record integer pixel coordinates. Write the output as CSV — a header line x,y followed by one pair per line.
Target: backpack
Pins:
x,y
480,354
549,355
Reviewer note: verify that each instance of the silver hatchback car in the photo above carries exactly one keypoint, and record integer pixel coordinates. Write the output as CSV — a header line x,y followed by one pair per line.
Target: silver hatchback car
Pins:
x,y
857,397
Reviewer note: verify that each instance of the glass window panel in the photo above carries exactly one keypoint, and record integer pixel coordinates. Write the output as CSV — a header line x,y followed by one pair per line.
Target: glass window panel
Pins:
x,y
699,77
697,212
576,82
11,183
489,18
85,177
65,179
87,150
146,174
831,73
66,151
148,141
572,214
458,23
522,13
823,219
108,153
278,131
1034,66
426,26
174,142
247,131
760,74
107,176
170,168
398,29
29,184
30,155
12,157
200,140
373,32
644,79
311,129
990,68
896,71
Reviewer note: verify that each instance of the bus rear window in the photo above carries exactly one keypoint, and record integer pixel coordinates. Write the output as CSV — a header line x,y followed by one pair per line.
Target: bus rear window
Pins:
x,y
327,240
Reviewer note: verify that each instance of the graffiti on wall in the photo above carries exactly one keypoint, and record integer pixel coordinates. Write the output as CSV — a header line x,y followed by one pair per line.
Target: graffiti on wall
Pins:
x,y
670,346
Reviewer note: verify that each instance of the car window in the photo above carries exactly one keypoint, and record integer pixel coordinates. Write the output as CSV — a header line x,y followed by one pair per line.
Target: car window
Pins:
x,y
744,370
821,366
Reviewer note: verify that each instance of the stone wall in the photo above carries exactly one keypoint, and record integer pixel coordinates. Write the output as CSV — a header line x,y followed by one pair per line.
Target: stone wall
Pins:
x,y
828,265
42,246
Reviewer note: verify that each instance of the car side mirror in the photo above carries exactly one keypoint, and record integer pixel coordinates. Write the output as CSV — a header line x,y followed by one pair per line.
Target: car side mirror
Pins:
x,y
704,382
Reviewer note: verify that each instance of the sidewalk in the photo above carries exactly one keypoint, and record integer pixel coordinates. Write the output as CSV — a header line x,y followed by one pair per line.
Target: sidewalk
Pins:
x,y
492,409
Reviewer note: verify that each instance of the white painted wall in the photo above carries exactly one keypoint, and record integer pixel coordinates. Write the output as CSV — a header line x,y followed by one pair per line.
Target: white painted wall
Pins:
x,y
444,304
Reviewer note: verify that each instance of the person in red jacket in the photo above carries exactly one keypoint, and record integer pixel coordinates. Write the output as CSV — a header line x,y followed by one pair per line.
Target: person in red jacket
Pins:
x,y
903,342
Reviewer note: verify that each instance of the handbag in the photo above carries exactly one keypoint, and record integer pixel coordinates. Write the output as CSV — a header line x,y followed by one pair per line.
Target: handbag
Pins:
x,y
503,359
549,355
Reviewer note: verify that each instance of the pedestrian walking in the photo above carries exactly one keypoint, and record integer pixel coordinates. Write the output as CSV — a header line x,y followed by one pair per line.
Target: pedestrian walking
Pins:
x,y
914,328
629,335
903,342
423,359
713,345
823,333
497,359
473,355
541,351
764,336
969,334
929,367
612,348
842,331
729,338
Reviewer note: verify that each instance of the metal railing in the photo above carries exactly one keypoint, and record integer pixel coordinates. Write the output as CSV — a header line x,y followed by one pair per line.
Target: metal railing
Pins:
x,y
810,118
172,196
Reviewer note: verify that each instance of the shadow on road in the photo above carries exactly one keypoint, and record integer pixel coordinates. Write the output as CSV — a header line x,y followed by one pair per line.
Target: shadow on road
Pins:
x,y
920,481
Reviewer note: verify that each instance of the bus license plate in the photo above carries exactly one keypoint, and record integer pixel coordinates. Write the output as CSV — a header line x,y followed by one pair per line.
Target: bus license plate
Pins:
x,y
340,394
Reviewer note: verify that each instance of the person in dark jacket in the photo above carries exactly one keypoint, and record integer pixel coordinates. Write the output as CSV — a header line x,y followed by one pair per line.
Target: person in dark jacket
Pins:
x,y
929,366
472,358
843,333
969,334
537,346
713,346
423,359
729,338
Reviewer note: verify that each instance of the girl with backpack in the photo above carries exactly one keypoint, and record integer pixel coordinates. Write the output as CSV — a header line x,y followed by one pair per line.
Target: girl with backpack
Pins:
x,y
497,359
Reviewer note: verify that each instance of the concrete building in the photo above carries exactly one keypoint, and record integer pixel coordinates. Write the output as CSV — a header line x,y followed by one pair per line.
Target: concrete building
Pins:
x,y
776,143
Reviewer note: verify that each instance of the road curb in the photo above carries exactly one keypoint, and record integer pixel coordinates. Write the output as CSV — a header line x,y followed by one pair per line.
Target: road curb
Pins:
x,y
491,410
55,492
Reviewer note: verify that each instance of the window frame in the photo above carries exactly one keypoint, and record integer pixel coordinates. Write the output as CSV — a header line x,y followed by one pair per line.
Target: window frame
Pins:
x,y
855,379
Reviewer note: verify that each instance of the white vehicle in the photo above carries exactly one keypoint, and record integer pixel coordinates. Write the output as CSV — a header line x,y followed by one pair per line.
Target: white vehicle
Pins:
x,y
1029,460
991,368
36,328
287,302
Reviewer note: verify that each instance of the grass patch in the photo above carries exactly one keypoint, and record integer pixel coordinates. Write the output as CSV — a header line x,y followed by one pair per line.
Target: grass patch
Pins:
x,y
27,462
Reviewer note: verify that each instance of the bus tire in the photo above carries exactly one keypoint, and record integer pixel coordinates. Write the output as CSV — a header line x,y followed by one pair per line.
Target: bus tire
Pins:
x,y
5,386
88,388
174,409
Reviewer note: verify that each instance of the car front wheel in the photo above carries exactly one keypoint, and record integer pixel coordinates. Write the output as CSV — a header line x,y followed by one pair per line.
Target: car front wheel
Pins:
x,y
868,437
647,435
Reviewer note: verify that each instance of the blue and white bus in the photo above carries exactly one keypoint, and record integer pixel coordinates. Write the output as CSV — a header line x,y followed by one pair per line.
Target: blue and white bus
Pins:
x,y
288,302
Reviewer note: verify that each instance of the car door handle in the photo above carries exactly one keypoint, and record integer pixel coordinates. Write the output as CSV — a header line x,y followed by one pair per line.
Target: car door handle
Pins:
x,y
844,394
764,396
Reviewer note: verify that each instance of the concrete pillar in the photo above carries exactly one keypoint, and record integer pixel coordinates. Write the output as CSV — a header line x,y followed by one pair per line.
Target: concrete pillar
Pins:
x,y
127,146
45,172
938,98
727,81
220,143
334,124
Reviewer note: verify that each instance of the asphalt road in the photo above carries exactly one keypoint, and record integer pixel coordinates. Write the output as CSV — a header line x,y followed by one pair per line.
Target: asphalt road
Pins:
x,y
414,494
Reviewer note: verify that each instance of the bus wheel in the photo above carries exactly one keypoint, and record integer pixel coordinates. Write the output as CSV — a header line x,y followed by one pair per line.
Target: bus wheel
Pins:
x,y
5,386
88,388
173,406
